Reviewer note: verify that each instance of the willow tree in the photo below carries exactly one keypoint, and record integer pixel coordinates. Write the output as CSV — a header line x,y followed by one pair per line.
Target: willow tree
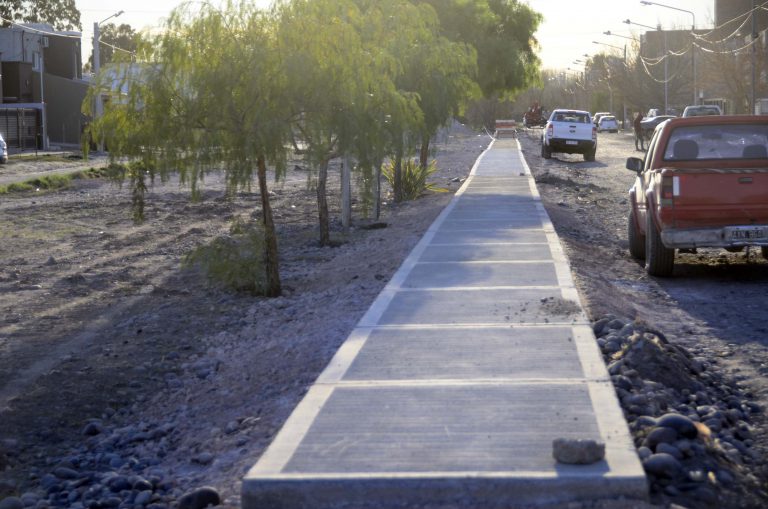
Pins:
x,y
408,35
442,74
208,95
327,78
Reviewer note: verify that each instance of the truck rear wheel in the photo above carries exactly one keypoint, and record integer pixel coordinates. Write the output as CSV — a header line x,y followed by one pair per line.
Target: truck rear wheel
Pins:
x,y
764,249
590,156
636,240
546,151
659,260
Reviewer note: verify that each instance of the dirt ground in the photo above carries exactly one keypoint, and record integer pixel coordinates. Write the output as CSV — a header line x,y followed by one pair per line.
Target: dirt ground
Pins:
x,y
99,324
108,347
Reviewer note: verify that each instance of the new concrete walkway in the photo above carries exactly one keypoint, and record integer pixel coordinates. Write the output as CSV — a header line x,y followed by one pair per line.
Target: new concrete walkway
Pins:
x,y
451,389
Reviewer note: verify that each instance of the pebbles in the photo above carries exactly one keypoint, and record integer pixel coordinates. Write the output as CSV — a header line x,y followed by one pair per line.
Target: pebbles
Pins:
x,y
117,468
690,424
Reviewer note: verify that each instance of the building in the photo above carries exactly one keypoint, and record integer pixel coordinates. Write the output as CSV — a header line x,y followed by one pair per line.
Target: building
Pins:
x,y
42,86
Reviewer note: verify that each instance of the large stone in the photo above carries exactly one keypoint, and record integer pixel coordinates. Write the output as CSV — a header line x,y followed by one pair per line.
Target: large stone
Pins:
x,y
660,435
200,498
662,465
684,426
11,503
578,451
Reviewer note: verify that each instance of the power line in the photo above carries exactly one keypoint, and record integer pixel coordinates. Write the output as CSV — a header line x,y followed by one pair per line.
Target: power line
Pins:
x,y
746,16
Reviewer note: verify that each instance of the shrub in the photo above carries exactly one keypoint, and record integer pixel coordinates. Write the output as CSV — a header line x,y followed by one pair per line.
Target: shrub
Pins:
x,y
235,260
414,177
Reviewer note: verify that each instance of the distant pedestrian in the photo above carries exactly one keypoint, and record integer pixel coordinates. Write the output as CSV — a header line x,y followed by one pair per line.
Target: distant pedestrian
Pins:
x,y
636,123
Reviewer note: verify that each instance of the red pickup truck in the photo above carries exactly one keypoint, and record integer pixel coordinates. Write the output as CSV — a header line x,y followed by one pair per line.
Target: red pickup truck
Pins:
x,y
703,183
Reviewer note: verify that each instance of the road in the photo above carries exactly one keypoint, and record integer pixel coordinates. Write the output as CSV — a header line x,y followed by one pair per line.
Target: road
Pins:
x,y
713,306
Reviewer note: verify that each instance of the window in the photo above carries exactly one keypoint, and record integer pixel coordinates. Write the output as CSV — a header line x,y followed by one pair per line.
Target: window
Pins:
x,y
712,142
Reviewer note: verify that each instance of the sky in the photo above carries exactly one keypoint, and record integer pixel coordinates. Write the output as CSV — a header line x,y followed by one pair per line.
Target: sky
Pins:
x,y
566,34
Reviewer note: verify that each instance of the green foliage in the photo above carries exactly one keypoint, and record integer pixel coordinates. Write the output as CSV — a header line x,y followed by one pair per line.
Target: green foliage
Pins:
x,y
207,94
414,177
46,183
502,33
235,261
122,36
61,14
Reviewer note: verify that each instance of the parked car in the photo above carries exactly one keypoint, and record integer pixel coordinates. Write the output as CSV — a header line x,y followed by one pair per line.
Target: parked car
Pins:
x,y
703,183
3,150
702,110
597,116
569,132
653,112
649,124
608,123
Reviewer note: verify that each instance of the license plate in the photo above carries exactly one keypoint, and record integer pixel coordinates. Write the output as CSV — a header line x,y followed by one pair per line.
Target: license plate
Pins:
x,y
746,233
571,142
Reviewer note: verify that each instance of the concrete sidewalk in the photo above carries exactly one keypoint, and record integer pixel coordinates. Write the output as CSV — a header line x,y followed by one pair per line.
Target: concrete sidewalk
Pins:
x,y
451,389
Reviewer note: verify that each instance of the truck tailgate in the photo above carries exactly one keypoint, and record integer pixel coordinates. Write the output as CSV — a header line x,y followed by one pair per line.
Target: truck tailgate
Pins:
x,y
572,131
718,197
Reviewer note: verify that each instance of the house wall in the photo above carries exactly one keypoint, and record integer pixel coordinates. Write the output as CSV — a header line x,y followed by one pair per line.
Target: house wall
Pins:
x,y
17,82
62,57
63,99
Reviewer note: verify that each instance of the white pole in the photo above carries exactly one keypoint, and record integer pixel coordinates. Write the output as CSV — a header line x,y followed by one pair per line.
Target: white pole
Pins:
x,y
96,67
346,192
42,96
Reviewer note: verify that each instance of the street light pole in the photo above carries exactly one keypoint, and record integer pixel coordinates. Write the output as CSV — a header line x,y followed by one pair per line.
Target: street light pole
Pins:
x,y
624,102
97,65
754,57
610,89
43,116
693,36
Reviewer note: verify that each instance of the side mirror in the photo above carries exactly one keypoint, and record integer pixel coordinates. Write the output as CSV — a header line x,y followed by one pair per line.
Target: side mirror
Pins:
x,y
635,164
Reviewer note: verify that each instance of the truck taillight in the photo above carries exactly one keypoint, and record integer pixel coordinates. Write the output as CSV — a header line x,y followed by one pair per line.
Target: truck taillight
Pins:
x,y
594,133
550,131
667,190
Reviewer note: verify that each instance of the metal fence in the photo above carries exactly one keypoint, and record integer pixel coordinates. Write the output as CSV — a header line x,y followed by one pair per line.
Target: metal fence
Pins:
x,y
20,127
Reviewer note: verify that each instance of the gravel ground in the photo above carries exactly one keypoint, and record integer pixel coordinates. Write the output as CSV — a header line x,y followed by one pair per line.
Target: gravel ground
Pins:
x,y
126,381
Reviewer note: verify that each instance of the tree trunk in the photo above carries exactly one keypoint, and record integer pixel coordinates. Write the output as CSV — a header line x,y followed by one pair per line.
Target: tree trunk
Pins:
x,y
346,192
424,152
322,204
271,258
377,190
398,184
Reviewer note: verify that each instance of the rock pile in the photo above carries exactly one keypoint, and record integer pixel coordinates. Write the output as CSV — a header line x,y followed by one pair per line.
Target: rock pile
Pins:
x,y
691,425
114,468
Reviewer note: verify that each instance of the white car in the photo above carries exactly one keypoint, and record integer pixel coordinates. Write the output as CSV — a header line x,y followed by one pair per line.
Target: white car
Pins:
x,y
597,116
702,110
3,150
607,123
569,132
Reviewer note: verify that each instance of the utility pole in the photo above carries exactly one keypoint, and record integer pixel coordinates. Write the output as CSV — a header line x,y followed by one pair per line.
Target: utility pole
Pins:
x,y
42,95
97,66
754,58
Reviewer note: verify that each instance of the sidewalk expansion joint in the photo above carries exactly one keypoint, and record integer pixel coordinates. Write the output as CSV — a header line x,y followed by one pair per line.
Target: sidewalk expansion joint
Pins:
x,y
466,382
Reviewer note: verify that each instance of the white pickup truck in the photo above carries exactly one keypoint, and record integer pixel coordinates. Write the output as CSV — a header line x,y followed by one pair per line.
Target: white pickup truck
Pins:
x,y
570,132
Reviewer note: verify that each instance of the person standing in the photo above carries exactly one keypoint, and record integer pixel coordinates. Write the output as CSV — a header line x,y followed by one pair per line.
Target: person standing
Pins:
x,y
636,123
